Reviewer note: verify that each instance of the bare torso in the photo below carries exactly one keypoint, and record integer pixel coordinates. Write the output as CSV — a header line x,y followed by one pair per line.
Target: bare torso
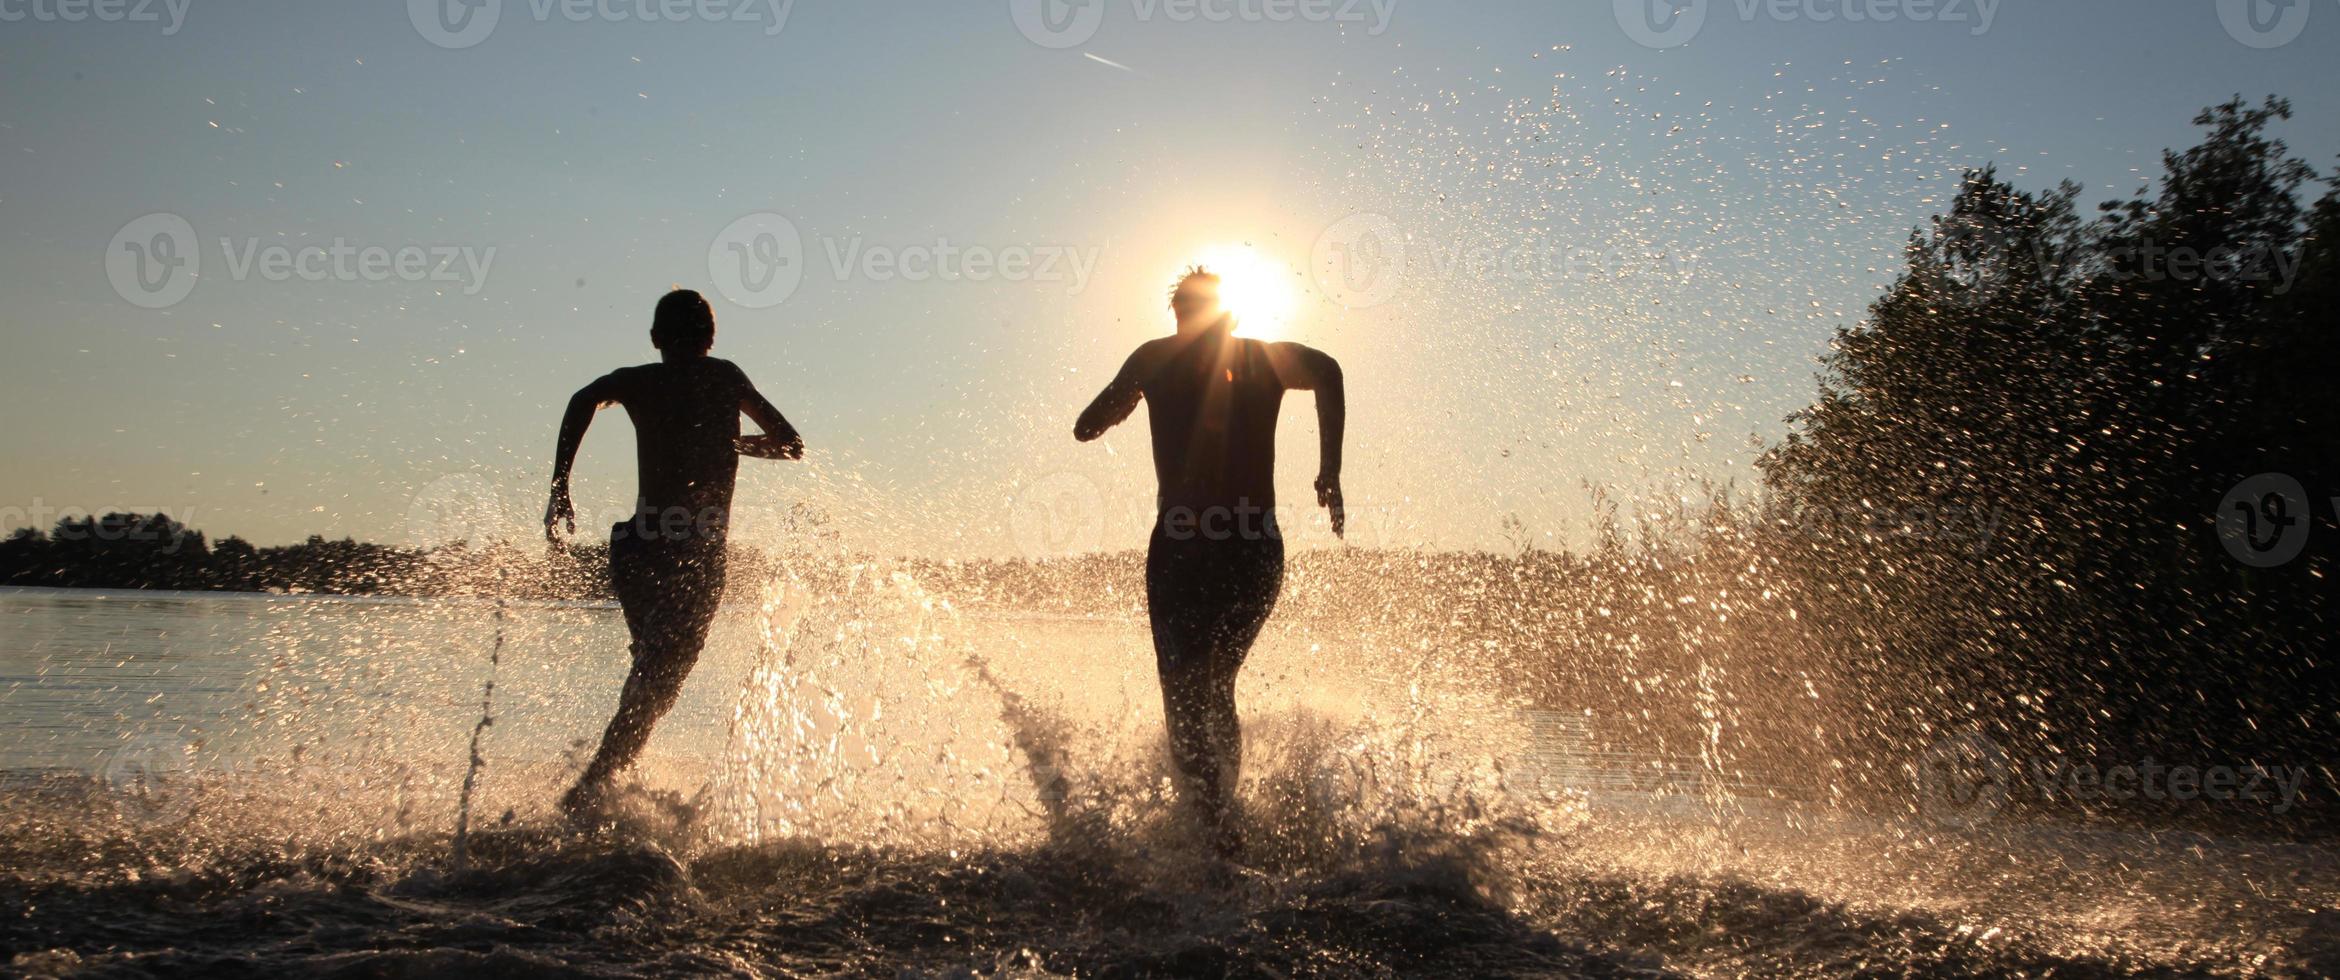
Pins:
x,y
1212,400
686,421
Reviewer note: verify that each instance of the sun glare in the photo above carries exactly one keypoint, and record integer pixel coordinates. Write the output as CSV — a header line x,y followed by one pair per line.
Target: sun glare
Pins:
x,y
1260,290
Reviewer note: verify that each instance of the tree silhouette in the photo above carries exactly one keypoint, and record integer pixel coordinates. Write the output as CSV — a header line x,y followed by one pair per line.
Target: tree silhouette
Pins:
x,y
2098,386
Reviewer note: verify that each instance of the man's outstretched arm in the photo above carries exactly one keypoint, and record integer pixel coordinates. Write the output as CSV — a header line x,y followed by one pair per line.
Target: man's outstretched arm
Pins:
x,y
1309,369
779,440
574,422
1119,398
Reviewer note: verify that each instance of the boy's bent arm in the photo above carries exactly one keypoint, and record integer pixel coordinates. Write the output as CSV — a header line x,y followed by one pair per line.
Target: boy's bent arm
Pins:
x,y
779,441
574,422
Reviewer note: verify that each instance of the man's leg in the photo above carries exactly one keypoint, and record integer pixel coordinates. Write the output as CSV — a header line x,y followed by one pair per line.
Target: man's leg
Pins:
x,y
1177,606
1207,602
1257,574
1196,734
1181,657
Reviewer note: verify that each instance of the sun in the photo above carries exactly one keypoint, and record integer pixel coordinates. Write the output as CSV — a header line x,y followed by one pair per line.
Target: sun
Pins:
x,y
1259,289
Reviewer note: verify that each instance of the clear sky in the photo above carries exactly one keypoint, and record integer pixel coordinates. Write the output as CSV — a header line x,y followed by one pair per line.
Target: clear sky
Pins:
x,y
1617,263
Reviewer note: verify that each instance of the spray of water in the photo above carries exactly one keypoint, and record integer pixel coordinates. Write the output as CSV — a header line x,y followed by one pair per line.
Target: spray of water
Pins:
x,y
474,759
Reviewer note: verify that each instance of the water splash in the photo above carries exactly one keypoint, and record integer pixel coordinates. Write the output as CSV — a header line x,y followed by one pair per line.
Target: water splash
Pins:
x,y
487,717
892,779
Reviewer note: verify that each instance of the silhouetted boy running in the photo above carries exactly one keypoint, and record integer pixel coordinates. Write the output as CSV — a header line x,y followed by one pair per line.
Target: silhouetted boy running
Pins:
x,y
1216,561
667,563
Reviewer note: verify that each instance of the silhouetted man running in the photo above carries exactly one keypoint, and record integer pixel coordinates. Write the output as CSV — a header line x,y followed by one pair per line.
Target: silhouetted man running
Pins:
x,y
667,563
1216,561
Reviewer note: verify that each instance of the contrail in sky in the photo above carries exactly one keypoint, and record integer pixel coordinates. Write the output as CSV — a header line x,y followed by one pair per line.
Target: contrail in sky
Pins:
x,y
1109,63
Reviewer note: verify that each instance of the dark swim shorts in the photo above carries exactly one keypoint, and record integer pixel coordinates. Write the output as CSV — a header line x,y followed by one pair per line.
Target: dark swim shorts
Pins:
x,y
1208,597
669,588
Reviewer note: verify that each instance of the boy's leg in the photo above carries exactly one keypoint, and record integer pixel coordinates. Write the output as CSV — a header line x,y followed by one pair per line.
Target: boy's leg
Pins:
x,y
669,606
651,690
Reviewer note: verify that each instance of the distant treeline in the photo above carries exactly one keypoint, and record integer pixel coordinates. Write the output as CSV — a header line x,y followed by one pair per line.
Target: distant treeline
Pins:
x,y
153,551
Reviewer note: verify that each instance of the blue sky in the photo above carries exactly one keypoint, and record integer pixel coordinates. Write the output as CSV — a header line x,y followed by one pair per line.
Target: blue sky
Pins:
x,y
1619,260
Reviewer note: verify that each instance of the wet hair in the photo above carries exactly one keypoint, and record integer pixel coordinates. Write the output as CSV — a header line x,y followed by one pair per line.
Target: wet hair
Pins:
x,y
1196,275
684,322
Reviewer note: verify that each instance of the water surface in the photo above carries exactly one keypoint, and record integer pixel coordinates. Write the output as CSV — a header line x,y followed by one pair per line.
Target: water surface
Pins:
x,y
872,782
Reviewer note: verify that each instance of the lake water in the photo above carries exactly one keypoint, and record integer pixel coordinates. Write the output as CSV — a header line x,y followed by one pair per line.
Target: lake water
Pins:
x,y
870,782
